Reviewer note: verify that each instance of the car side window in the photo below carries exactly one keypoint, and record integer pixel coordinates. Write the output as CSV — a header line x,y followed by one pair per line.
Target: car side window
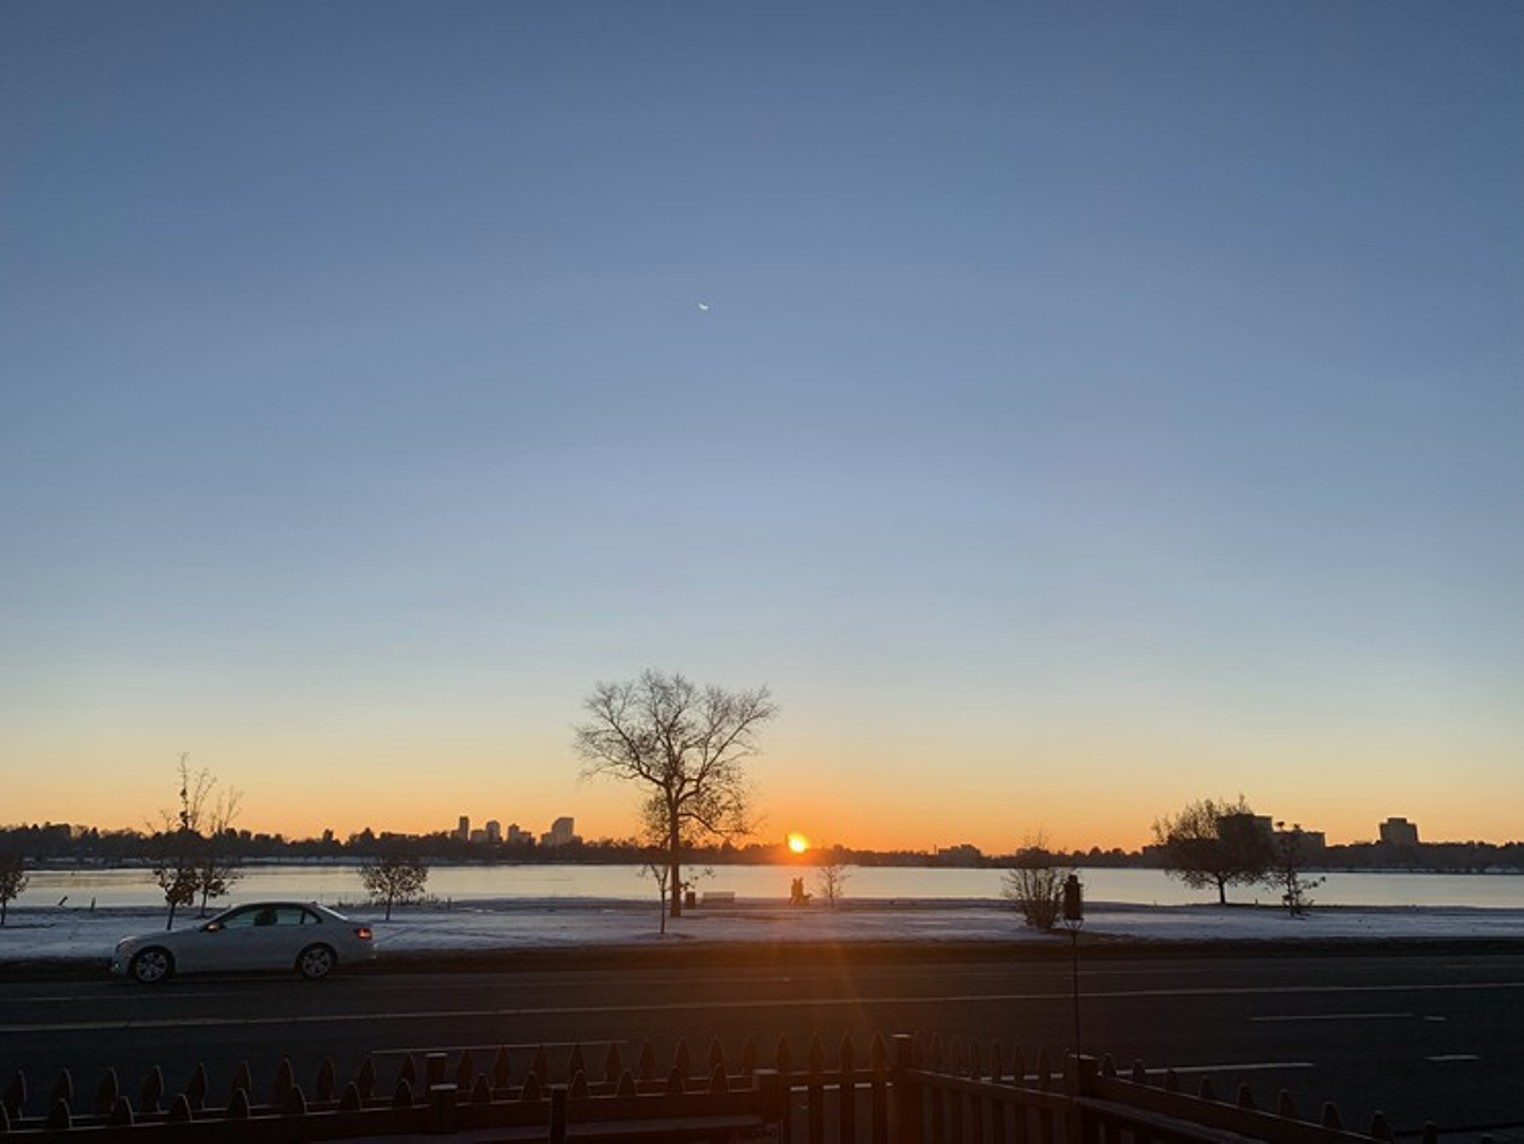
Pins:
x,y
290,915
240,920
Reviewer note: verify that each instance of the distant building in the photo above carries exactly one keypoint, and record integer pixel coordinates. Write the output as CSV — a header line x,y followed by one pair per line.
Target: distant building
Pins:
x,y
494,831
963,854
1312,846
478,836
1399,832
463,829
518,837
561,833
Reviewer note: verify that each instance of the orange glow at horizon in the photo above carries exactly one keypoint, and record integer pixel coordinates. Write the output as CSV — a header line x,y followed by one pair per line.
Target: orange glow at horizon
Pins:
x,y
798,843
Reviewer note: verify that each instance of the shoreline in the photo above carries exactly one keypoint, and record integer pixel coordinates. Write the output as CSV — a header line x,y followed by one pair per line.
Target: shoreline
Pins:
x,y
521,933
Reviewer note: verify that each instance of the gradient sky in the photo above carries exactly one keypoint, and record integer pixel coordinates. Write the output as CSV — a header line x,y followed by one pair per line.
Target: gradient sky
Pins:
x,y
1099,407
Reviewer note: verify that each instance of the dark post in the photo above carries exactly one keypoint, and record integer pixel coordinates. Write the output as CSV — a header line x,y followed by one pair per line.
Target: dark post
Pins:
x,y
1074,918
558,1114
908,1125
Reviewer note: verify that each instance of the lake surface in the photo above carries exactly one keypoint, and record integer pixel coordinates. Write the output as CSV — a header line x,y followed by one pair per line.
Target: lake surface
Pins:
x,y
340,884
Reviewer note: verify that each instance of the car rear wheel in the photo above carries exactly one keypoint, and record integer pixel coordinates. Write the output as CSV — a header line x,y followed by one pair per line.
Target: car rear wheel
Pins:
x,y
152,965
316,961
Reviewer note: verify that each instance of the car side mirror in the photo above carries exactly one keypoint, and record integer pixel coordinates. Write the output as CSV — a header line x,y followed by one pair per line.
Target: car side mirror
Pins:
x,y
211,927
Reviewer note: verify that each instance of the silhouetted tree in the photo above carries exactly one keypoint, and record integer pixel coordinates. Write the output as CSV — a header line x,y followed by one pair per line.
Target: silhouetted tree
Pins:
x,y
396,877
1034,884
13,879
1217,844
177,844
1287,876
831,876
687,746
655,867
216,869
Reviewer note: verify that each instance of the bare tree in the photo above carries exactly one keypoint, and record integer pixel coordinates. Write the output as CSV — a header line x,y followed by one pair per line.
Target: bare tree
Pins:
x,y
1034,884
831,875
687,746
13,879
658,871
396,877
1288,876
177,841
1215,844
216,868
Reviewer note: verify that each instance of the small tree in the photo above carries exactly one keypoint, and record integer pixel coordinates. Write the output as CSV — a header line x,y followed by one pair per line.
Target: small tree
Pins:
x,y
395,877
1291,861
177,843
216,869
1034,884
657,869
13,879
686,746
831,876
1215,844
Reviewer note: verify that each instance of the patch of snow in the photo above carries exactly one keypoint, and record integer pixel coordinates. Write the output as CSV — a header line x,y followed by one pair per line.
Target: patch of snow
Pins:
x,y
47,934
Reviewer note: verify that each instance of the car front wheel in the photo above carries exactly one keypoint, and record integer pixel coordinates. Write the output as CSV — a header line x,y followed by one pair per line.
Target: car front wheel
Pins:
x,y
316,961
152,965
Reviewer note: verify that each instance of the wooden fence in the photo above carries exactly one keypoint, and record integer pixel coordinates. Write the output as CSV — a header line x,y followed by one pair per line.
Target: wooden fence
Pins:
x,y
904,1091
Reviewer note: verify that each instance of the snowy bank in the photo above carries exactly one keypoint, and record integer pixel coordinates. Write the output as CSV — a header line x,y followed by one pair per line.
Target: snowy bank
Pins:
x,y
86,936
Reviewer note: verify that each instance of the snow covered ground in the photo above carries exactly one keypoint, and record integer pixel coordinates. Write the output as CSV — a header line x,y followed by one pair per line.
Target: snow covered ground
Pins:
x,y
61,934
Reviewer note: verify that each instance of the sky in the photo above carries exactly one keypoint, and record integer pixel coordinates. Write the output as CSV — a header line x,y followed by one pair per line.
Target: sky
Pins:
x,y
1067,411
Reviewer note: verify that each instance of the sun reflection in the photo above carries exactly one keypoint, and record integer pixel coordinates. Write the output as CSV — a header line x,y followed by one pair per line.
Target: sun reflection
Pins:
x,y
798,843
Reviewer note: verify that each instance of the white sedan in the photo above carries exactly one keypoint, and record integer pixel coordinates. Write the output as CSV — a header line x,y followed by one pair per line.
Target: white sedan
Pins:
x,y
311,939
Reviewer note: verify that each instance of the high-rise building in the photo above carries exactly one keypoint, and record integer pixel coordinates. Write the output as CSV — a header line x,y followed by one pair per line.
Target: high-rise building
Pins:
x,y
463,828
562,833
494,831
1399,832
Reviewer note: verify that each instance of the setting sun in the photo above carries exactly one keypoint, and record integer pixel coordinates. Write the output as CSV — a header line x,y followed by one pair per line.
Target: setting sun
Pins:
x,y
798,843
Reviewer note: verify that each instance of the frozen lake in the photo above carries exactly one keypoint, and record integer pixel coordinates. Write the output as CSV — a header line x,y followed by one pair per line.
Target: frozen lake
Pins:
x,y
340,883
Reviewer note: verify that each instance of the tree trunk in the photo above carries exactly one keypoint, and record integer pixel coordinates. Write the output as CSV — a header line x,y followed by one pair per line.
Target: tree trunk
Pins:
x,y
1222,891
674,843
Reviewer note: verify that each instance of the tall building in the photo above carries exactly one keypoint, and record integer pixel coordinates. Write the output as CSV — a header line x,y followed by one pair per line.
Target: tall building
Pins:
x,y
1399,832
463,828
494,831
561,833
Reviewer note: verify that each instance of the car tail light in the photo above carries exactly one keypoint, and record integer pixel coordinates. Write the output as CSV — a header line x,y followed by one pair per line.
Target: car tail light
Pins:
x,y
363,933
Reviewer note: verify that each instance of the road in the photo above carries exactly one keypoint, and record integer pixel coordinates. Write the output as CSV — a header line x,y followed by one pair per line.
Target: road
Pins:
x,y
1420,1036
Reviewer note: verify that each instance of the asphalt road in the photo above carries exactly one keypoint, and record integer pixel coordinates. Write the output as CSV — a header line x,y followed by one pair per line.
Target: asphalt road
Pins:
x,y
1420,1036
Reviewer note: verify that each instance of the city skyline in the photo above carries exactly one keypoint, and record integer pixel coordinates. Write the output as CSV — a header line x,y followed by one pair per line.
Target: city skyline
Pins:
x,y
1067,413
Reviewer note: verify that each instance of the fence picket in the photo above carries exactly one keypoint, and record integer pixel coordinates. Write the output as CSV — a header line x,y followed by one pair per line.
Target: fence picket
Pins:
x,y
716,1055
106,1093
59,1117
326,1083
681,1062
121,1114
15,1096
847,1120
238,1105
152,1091
402,1095
63,1089
645,1067
365,1079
